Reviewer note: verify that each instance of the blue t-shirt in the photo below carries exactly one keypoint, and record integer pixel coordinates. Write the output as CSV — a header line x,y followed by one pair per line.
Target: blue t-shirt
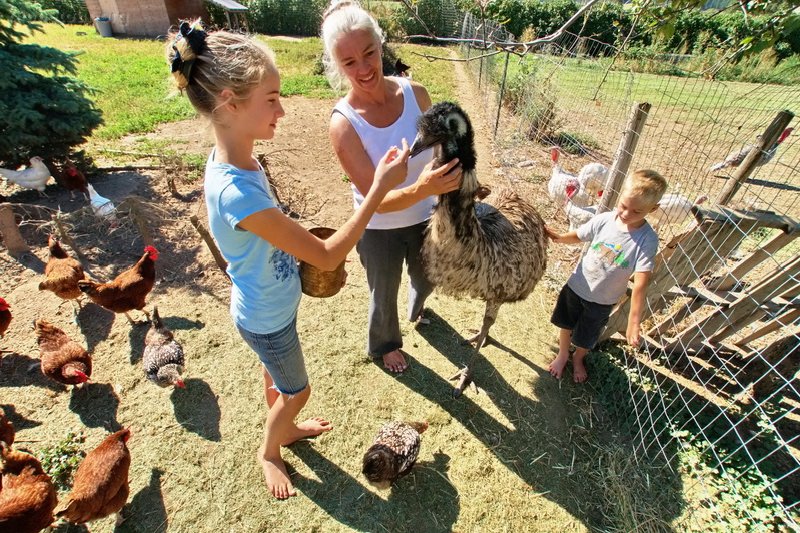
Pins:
x,y
602,274
266,283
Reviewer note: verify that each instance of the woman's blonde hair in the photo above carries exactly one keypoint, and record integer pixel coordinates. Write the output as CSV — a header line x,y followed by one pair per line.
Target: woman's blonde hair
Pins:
x,y
341,17
204,65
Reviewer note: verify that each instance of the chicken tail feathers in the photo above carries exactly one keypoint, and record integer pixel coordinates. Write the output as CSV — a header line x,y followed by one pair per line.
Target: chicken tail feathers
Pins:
x,y
419,426
718,166
156,318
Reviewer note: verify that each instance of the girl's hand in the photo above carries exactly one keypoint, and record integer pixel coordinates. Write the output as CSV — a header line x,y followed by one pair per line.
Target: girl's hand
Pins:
x,y
436,181
392,169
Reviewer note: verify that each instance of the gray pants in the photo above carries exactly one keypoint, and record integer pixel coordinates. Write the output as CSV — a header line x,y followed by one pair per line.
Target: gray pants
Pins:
x,y
382,253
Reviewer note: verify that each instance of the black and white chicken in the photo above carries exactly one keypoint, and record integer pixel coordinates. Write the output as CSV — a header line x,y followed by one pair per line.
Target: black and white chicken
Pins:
x,y
393,453
163,357
494,250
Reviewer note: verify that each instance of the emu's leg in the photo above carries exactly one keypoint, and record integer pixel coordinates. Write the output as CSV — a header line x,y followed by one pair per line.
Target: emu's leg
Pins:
x,y
464,376
489,316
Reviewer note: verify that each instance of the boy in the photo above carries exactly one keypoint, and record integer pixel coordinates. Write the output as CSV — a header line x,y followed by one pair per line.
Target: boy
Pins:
x,y
623,244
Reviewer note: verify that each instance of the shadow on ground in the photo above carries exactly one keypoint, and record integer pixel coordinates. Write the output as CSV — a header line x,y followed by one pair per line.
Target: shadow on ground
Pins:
x,y
197,409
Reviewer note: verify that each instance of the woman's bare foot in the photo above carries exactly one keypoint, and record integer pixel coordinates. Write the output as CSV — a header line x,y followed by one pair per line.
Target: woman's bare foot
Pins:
x,y
558,364
395,362
276,476
579,373
308,428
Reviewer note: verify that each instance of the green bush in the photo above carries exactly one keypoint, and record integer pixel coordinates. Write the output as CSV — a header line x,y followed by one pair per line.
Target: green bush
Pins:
x,y
44,107
286,17
69,11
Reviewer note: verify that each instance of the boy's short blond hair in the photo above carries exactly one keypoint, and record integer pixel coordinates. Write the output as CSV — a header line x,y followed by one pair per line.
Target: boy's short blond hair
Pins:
x,y
647,184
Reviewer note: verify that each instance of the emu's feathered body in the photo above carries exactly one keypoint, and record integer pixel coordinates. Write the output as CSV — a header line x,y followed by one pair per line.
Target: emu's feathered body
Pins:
x,y
495,250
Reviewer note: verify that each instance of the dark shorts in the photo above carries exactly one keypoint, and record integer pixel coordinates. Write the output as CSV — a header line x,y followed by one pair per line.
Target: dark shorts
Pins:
x,y
586,319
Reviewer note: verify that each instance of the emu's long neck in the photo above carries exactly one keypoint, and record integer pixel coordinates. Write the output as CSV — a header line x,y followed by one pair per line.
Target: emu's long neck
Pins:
x,y
459,205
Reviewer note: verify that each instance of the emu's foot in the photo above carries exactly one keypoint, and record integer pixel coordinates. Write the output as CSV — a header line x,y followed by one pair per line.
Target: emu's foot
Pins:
x,y
464,377
479,341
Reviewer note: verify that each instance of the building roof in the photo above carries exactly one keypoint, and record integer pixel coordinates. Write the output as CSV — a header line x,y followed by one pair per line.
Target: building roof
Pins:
x,y
229,5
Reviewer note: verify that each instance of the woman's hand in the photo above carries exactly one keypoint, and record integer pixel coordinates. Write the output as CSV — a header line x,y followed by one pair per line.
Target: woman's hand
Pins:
x,y
436,181
392,169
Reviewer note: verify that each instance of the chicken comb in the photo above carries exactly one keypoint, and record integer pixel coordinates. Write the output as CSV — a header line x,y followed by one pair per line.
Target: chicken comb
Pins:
x,y
554,154
151,251
3,304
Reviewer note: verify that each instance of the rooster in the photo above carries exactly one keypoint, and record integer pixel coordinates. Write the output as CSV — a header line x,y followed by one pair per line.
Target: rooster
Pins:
x,y
6,429
163,356
101,482
393,453
5,317
127,291
737,157
495,250
62,274
33,177
72,179
63,359
27,495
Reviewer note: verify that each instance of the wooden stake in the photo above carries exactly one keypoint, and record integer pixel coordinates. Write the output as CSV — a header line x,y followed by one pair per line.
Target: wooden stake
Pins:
x,y
8,228
212,246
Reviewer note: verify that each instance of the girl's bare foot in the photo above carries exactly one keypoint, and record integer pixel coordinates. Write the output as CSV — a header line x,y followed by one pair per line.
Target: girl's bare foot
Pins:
x,y
558,364
395,362
308,428
276,476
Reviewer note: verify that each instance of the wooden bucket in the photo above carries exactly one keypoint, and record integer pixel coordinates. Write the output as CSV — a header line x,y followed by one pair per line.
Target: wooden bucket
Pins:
x,y
316,282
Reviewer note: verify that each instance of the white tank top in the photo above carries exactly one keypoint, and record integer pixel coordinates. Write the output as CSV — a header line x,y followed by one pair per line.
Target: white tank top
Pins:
x,y
377,141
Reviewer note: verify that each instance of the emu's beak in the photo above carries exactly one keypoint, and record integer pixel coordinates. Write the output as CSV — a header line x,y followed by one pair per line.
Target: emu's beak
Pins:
x,y
419,145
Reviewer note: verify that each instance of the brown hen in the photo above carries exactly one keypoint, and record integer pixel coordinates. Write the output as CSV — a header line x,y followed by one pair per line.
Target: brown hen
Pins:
x,y
127,291
63,359
5,317
6,429
27,496
62,273
101,482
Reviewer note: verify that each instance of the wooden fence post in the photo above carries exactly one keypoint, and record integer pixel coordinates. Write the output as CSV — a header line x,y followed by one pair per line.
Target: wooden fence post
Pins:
x,y
764,143
624,156
13,239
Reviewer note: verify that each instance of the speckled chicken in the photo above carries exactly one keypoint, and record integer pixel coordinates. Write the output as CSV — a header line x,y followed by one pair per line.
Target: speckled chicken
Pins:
x,y
63,359
100,485
62,274
494,250
163,356
27,495
393,453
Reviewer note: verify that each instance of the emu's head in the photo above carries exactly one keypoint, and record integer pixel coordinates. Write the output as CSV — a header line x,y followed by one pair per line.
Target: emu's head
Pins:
x,y
448,126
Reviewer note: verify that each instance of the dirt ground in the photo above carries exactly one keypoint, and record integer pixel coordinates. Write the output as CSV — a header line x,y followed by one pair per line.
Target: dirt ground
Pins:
x,y
193,450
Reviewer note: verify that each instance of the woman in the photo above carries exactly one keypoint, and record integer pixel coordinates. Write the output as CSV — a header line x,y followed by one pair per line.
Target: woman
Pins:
x,y
376,113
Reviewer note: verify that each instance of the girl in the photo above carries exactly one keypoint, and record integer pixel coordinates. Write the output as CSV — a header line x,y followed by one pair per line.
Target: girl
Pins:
x,y
232,80
375,113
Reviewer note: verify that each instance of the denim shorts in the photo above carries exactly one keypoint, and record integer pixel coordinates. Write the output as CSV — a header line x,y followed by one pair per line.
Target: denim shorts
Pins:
x,y
281,355
586,319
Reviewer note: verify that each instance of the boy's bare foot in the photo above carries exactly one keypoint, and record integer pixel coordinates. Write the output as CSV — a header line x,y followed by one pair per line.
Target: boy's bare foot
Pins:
x,y
395,362
308,428
579,374
276,476
558,364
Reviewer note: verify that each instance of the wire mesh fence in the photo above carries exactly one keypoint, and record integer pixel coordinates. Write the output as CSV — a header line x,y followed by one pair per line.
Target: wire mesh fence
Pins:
x,y
714,391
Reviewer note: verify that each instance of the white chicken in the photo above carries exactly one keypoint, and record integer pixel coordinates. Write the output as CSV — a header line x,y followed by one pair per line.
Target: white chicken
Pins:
x,y
101,205
35,176
578,215
673,209
591,179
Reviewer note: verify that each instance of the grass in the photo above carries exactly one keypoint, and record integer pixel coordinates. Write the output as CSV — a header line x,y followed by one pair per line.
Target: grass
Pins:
x,y
135,92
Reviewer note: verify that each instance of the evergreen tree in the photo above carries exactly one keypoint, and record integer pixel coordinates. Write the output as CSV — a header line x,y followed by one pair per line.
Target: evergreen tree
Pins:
x,y
44,108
